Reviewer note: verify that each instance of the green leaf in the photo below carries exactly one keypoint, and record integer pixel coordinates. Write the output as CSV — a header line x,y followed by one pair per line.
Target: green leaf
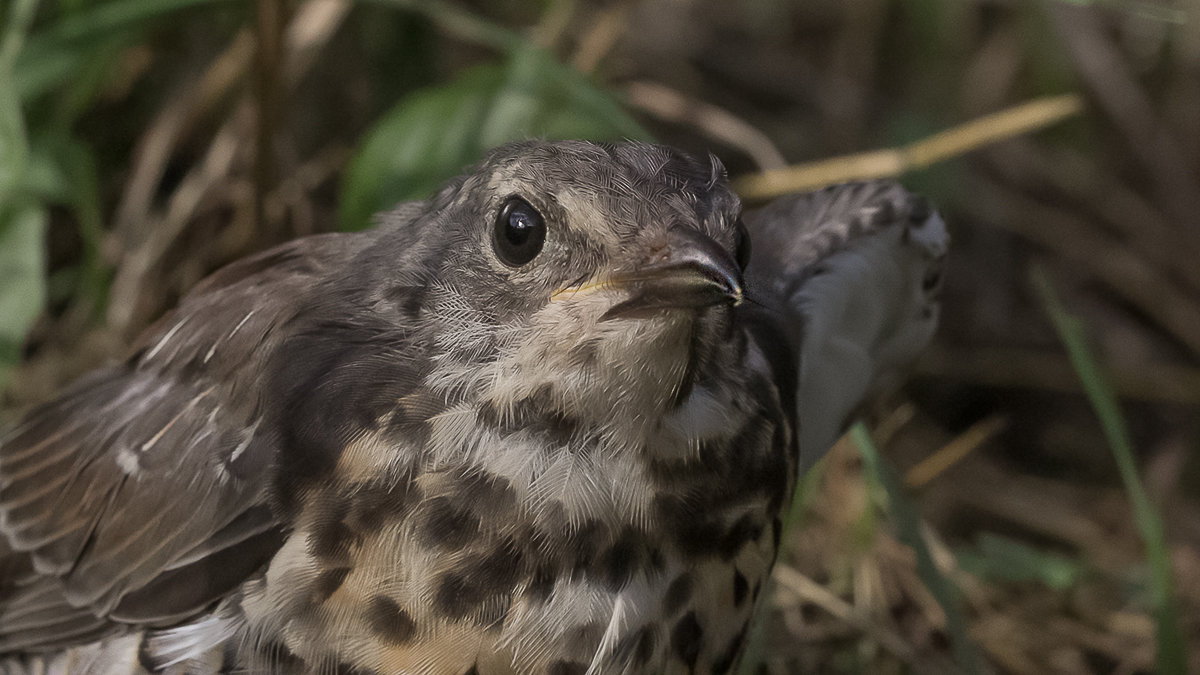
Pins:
x,y
22,220
14,147
996,557
22,277
430,135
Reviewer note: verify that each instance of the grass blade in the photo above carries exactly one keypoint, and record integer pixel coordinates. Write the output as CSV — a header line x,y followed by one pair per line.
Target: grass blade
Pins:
x,y
63,48
908,525
1170,656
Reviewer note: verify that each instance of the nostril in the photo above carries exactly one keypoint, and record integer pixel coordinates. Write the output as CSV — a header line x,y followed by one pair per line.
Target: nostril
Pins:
x,y
660,252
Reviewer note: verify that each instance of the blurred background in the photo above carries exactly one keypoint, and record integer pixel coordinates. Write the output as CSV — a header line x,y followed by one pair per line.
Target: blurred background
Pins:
x,y
1028,503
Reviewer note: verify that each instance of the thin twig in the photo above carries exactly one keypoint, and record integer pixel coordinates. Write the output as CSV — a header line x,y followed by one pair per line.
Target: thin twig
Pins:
x,y
1031,369
891,162
1126,103
552,27
1109,200
954,451
270,20
853,58
1105,258
185,107
150,235
600,38
715,122
811,591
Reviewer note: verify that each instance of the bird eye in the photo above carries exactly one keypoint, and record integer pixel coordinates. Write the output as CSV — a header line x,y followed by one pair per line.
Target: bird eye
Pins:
x,y
519,233
741,251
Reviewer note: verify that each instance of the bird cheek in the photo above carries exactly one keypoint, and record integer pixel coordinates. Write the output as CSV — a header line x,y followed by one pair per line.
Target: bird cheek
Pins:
x,y
576,309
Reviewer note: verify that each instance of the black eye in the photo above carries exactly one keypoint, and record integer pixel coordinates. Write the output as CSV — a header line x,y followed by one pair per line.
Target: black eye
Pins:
x,y
519,233
741,251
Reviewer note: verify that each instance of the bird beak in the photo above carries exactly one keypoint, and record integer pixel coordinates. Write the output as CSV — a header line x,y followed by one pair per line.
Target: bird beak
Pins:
x,y
689,271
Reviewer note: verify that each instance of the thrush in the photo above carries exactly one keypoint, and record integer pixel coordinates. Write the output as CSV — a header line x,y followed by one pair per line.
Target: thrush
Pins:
x,y
544,422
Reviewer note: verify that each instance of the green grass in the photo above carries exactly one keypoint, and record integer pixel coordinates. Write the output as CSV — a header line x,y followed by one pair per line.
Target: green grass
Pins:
x,y
22,215
908,530
1170,656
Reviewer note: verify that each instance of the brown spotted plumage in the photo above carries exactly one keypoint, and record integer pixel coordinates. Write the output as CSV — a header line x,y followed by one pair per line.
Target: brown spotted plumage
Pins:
x,y
544,422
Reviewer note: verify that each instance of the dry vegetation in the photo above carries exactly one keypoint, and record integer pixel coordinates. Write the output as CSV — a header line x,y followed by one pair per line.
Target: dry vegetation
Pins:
x,y
192,137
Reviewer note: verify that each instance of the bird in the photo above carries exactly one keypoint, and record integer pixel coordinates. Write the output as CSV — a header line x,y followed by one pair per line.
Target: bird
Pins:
x,y
545,421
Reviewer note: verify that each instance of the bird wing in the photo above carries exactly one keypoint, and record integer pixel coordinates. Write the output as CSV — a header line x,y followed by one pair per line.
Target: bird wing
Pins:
x,y
853,272
139,495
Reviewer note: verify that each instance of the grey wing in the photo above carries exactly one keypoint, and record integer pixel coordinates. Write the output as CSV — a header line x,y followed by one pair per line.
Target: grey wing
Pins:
x,y
854,272
139,496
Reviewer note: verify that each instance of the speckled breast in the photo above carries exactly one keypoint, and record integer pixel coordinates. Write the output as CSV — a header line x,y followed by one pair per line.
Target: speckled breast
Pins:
x,y
549,548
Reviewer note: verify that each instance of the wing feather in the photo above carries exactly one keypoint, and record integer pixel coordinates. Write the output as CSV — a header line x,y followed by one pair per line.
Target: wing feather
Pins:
x,y
140,495
854,272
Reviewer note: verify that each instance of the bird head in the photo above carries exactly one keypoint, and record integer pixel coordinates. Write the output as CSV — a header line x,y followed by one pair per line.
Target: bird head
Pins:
x,y
597,277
